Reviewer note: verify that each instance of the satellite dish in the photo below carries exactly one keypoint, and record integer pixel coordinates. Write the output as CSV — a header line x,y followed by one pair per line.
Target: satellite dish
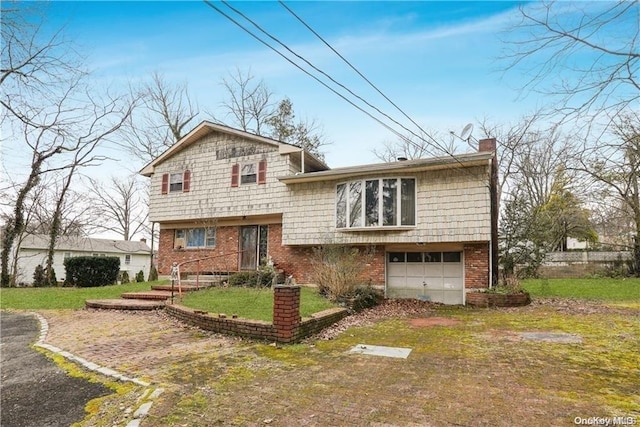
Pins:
x,y
466,132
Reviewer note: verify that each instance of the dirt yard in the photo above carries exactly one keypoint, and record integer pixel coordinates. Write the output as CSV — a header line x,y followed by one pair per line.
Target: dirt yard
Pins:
x,y
467,367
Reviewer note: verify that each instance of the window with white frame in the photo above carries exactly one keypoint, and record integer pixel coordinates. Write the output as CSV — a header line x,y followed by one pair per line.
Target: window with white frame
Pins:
x,y
195,238
127,259
248,173
67,255
380,202
175,182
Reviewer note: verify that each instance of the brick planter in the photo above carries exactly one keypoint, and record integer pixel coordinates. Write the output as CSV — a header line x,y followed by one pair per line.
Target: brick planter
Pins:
x,y
287,325
487,299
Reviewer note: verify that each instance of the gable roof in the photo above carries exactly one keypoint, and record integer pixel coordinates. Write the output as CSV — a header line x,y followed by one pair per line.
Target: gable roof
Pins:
x,y
457,161
83,244
206,127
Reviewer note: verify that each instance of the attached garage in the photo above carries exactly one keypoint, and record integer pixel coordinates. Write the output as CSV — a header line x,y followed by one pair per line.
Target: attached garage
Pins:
x,y
433,276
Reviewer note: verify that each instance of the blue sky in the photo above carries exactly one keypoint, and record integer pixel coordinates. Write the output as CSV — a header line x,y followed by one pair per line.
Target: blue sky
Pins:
x,y
436,60
439,61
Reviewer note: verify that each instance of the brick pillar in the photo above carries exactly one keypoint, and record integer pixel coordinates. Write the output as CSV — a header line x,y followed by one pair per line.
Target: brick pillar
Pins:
x,y
286,312
489,145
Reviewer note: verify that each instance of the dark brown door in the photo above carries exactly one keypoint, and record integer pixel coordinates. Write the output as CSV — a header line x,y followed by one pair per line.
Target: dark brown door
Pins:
x,y
249,247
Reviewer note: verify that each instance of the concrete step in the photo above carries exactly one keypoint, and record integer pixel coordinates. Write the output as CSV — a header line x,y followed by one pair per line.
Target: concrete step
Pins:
x,y
124,304
147,295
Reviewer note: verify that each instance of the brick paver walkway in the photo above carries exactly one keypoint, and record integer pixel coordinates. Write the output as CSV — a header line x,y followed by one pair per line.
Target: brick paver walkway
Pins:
x,y
135,343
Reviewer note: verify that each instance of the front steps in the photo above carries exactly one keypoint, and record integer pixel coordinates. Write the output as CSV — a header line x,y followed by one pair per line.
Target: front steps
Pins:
x,y
158,295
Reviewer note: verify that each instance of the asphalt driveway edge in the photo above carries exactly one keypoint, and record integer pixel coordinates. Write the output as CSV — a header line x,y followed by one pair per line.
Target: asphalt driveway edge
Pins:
x,y
149,394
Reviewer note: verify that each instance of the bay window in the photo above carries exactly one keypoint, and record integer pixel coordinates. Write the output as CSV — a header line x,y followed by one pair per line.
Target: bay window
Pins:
x,y
383,202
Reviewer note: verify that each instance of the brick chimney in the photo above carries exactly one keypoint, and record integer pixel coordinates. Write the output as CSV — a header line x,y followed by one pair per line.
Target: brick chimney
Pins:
x,y
143,240
488,144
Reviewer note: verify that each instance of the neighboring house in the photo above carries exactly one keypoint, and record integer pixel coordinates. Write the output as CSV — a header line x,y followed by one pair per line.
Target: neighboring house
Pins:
x,y
134,255
237,198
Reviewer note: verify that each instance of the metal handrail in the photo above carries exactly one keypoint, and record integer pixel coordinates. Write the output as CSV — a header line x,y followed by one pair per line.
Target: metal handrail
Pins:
x,y
177,272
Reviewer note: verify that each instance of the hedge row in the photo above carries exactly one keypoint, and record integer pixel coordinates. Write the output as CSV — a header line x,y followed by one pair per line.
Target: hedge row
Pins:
x,y
87,271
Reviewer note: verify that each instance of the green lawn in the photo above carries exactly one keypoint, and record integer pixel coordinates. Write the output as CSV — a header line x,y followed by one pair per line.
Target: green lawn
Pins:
x,y
604,289
251,303
63,298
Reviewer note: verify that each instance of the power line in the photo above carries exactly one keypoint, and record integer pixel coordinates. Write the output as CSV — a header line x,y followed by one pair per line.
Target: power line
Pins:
x,y
437,144
398,134
210,4
275,39
360,74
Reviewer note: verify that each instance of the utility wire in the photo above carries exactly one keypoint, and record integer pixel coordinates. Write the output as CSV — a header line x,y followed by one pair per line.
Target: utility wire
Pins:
x,y
211,5
388,127
437,144
275,39
360,74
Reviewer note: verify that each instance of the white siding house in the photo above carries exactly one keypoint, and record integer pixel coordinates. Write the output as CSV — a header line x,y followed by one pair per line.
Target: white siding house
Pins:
x,y
134,255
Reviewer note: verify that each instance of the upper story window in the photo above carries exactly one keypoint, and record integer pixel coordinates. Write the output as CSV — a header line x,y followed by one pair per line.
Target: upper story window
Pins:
x,y
249,173
195,238
176,182
381,202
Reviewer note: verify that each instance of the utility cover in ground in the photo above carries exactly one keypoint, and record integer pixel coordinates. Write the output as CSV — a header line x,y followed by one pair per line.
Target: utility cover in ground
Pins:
x,y
378,350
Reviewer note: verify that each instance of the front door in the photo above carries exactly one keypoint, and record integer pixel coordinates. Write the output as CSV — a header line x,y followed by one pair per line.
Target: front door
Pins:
x,y
253,246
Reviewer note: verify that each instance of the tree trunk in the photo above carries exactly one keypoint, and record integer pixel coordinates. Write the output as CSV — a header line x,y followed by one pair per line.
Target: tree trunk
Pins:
x,y
15,225
55,226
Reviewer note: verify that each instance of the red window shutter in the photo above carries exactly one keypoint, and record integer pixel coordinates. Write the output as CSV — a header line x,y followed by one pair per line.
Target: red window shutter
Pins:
x,y
186,181
235,175
165,183
262,172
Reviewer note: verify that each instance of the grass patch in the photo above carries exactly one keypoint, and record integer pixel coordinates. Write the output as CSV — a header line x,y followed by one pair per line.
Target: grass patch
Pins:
x,y
476,372
63,298
251,303
604,289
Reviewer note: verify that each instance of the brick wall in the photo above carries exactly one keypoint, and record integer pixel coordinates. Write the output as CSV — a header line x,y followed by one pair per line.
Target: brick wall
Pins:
x,y
476,265
483,299
297,260
226,243
287,326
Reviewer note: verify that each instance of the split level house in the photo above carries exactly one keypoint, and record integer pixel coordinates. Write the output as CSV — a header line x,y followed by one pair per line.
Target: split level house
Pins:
x,y
231,199
134,256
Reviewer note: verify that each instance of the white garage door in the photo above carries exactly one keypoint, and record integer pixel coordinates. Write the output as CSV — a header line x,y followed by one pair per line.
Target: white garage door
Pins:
x,y
435,276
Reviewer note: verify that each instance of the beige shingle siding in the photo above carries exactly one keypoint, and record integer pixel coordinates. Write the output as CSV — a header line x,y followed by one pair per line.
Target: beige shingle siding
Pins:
x,y
211,194
453,206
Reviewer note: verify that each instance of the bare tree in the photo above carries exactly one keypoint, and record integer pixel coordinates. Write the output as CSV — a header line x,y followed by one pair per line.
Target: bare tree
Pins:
x,y
51,108
250,106
164,114
615,168
122,205
511,140
36,68
75,220
249,103
530,158
584,55
416,146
